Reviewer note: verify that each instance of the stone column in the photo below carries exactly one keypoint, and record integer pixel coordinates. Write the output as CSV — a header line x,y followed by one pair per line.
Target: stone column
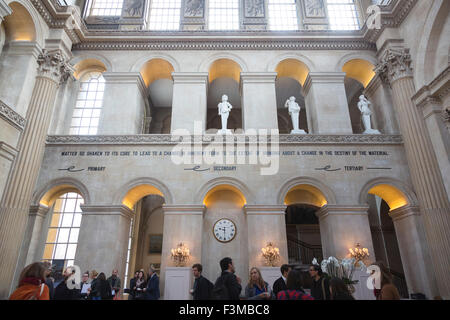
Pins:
x,y
380,95
190,91
395,67
182,223
414,252
124,103
103,239
342,227
265,224
259,100
16,198
326,103
18,74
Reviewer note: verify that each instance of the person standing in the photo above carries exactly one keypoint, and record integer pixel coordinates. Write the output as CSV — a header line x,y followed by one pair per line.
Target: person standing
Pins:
x,y
103,288
339,290
152,289
202,289
139,286
295,289
93,293
320,288
280,283
257,288
388,290
49,279
228,285
132,285
67,292
32,284
85,285
114,282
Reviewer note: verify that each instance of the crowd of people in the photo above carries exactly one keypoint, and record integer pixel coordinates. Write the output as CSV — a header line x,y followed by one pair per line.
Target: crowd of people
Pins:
x,y
36,283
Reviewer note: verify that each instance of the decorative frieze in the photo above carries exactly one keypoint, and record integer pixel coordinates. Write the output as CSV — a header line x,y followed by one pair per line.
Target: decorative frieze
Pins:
x,y
11,116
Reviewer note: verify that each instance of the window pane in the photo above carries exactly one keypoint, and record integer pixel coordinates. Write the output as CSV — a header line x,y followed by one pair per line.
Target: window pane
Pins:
x,y
282,15
74,235
224,14
106,7
165,15
63,235
60,252
342,15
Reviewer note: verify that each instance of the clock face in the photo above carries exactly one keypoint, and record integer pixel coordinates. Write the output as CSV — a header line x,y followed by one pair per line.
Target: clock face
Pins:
x,y
224,230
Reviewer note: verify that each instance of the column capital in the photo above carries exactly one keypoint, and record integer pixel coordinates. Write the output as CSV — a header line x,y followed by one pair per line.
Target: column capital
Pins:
x,y
404,212
262,209
107,210
38,210
53,65
341,210
258,77
184,209
5,10
190,77
394,64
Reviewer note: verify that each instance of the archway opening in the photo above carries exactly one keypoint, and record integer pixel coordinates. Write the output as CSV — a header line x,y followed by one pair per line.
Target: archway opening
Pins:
x,y
157,76
382,199
291,76
224,79
224,202
19,26
359,73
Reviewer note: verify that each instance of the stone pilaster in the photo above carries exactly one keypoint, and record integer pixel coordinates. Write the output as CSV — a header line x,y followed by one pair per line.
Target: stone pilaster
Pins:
x,y
414,251
103,240
326,103
265,224
182,223
342,227
395,68
259,100
16,198
5,10
190,91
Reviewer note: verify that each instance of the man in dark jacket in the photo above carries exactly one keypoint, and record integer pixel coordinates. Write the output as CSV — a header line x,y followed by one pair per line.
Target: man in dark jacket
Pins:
x,y
152,290
132,285
63,292
114,282
202,289
228,285
320,288
280,283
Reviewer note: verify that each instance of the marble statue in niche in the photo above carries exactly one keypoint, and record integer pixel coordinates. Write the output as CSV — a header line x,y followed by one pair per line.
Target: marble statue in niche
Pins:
x,y
133,8
366,113
254,8
294,112
224,111
194,8
314,8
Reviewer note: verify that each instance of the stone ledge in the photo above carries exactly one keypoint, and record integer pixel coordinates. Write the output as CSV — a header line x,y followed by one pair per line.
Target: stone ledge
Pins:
x,y
11,116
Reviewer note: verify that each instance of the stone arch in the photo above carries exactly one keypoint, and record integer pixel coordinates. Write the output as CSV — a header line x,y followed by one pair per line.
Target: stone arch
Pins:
x,y
156,69
235,185
427,50
371,58
29,10
140,63
52,190
136,189
396,193
288,186
207,63
86,61
272,65
359,69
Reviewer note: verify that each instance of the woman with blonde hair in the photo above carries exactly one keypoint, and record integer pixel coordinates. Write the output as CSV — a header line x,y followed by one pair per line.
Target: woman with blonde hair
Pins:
x,y
257,288
32,284
387,290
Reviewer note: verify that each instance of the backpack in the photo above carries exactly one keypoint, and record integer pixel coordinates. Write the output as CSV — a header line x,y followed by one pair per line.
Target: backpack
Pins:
x,y
220,291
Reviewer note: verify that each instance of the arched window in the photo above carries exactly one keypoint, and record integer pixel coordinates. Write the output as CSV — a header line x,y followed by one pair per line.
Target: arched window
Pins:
x,y
62,236
105,7
165,15
223,14
282,15
86,114
343,15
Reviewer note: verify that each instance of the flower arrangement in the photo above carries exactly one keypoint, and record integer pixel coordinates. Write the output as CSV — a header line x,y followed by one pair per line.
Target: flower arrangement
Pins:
x,y
343,269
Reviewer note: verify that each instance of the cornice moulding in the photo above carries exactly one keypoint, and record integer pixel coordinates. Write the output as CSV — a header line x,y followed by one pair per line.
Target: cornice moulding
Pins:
x,y
11,116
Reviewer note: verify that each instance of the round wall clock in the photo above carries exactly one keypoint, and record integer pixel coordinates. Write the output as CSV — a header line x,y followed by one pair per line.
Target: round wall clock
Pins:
x,y
224,230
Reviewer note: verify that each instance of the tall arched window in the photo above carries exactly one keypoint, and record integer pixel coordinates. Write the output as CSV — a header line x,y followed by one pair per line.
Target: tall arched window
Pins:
x,y
62,236
105,7
283,15
165,15
86,114
343,15
223,14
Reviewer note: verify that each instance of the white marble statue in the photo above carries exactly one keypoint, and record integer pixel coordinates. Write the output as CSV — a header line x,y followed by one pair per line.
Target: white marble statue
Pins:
x,y
294,111
366,113
224,111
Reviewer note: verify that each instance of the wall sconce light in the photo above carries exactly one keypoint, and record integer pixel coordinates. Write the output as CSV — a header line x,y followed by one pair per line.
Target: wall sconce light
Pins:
x,y
271,254
359,253
180,255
